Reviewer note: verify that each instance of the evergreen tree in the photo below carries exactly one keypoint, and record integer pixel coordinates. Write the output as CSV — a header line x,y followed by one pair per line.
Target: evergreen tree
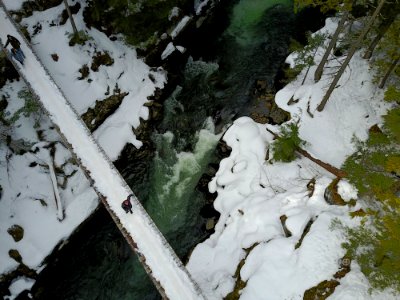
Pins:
x,y
375,170
285,146
386,62
305,55
388,16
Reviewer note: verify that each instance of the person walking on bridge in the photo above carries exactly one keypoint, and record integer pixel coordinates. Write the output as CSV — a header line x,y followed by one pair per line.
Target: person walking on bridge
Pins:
x,y
127,205
15,44
17,55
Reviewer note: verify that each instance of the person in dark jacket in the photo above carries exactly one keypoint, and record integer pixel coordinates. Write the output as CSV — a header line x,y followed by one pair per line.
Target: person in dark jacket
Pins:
x,y
16,45
13,41
127,205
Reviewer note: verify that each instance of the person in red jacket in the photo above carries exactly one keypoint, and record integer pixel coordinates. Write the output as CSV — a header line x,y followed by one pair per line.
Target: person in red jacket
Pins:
x,y
127,205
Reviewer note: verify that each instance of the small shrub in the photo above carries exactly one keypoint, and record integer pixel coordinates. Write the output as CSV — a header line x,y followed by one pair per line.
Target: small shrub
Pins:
x,y
80,38
84,72
31,107
285,146
101,58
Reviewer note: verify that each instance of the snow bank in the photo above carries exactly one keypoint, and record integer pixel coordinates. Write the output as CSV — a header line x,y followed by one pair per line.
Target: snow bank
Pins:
x,y
255,195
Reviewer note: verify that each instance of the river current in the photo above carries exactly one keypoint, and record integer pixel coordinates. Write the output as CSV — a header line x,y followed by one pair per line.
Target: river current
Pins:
x,y
216,87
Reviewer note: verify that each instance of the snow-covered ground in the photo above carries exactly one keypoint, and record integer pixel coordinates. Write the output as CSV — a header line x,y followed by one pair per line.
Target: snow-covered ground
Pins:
x,y
27,197
254,193
128,72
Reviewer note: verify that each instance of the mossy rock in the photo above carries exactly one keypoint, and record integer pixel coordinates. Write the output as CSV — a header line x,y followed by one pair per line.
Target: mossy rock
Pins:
x,y
79,38
358,213
84,72
17,232
6,279
322,291
143,131
331,194
156,110
14,254
260,118
303,235
101,58
278,115
94,117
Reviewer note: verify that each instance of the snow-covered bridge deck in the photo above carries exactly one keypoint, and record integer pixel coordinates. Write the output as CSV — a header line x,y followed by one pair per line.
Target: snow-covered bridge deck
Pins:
x,y
160,261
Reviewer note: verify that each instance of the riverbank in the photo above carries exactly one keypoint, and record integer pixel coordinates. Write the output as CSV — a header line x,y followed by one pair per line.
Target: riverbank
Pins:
x,y
275,238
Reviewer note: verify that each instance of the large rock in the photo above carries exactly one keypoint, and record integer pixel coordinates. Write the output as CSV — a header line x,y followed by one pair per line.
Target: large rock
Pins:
x,y
94,117
17,232
331,194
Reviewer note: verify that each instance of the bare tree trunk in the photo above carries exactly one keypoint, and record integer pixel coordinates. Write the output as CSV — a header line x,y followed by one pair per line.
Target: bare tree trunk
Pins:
x,y
308,69
374,43
332,43
353,50
70,17
388,72
335,171
57,198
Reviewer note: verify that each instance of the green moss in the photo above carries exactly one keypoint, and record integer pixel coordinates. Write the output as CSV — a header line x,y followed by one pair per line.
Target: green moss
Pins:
x,y
392,94
80,38
358,213
303,235
101,58
322,291
371,168
31,107
392,124
95,116
377,250
84,72
239,283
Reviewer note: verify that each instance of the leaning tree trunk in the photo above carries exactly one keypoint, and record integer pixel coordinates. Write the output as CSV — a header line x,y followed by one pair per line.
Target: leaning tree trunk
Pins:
x,y
308,69
70,17
388,72
320,68
375,41
353,50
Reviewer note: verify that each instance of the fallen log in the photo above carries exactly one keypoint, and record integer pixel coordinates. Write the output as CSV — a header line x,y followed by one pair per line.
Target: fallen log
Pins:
x,y
335,171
